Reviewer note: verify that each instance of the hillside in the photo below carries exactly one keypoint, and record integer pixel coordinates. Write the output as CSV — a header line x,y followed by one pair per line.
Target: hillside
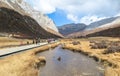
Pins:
x,y
18,19
71,28
100,23
111,30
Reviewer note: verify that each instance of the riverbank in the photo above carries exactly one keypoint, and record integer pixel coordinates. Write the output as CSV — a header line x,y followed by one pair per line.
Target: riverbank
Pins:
x,y
62,62
89,47
23,64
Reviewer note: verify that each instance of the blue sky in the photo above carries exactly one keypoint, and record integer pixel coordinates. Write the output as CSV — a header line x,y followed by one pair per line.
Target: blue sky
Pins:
x,y
77,11
59,18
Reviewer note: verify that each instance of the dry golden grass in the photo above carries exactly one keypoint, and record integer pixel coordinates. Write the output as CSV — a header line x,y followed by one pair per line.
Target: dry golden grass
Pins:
x,y
112,71
109,60
9,42
24,63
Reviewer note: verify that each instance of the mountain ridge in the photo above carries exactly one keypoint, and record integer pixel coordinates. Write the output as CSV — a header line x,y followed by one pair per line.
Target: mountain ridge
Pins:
x,y
25,9
21,22
70,28
90,27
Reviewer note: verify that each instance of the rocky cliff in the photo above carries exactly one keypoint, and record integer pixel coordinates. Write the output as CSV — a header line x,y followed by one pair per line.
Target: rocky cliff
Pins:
x,y
20,19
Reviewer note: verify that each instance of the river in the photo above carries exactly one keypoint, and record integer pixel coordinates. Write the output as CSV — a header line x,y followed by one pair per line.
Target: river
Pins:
x,y
62,62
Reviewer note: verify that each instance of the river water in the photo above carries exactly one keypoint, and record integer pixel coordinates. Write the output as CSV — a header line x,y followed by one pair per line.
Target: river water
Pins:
x,y
61,62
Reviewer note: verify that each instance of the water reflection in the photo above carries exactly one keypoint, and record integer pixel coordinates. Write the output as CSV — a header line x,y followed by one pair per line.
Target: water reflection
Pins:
x,y
69,64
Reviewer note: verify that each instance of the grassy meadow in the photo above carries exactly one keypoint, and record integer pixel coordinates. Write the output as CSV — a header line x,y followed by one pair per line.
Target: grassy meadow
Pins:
x,y
23,64
12,42
105,50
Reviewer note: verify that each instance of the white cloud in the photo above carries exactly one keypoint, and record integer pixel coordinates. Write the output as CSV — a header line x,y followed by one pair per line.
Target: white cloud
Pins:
x,y
80,10
44,6
73,18
90,19
117,14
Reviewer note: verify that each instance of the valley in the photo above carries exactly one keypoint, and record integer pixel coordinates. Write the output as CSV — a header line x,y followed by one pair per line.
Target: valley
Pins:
x,y
59,38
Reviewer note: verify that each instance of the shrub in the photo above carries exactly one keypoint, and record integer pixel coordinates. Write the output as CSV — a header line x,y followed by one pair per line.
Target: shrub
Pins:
x,y
92,41
115,43
112,49
99,46
94,46
75,42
